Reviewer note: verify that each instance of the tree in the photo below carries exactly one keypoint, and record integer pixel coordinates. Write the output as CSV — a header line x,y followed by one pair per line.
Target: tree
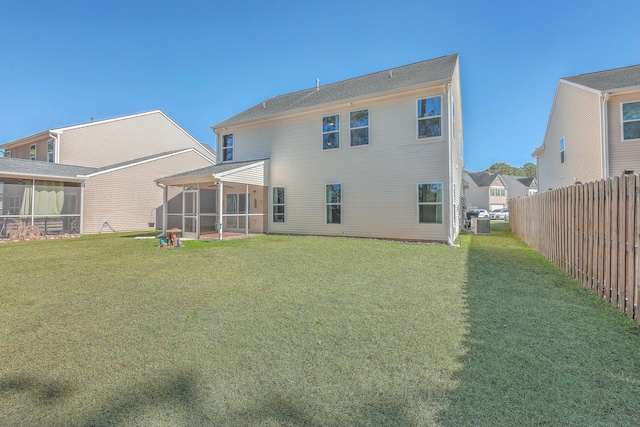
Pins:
x,y
502,168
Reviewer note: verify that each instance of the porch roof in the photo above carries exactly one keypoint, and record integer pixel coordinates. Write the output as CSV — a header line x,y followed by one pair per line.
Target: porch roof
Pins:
x,y
211,173
33,169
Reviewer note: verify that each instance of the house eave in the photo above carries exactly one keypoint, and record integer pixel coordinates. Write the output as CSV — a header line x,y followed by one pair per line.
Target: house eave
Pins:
x,y
345,102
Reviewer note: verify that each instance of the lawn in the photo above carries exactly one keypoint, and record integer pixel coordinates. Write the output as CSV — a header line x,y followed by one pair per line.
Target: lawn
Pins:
x,y
281,330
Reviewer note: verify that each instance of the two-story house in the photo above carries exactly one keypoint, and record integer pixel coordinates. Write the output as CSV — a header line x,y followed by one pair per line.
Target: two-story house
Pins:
x,y
376,156
593,130
84,177
485,190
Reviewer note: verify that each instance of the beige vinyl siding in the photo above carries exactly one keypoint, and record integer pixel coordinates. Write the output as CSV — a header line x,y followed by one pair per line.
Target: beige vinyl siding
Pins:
x,y
379,181
121,140
576,117
254,175
128,197
23,151
623,155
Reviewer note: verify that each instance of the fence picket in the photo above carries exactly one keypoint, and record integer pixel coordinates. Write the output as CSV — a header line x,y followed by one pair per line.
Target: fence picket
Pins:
x,y
592,232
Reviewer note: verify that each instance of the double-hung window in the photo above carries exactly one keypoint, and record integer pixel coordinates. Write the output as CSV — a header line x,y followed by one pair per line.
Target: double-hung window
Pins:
x,y
33,152
430,117
331,132
334,203
562,150
51,150
631,120
430,203
359,126
227,147
278,204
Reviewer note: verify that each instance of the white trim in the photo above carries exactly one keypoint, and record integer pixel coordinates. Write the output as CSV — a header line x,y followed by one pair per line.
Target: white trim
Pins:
x,y
327,204
284,187
322,132
368,127
101,122
622,121
419,203
418,118
152,159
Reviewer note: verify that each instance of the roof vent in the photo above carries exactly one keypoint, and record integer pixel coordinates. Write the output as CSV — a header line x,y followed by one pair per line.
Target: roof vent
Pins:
x,y
317,84
390,74
264,105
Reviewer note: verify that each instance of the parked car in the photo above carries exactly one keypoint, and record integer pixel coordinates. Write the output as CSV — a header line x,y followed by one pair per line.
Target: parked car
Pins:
x,y
500,213
482,213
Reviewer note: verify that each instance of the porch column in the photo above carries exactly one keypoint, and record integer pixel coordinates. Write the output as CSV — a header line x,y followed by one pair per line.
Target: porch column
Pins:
x,y
220,200
33,201
165,206
248,202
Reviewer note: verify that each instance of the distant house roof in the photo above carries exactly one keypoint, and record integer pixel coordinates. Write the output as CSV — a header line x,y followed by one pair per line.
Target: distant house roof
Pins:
x,y
423,73
483,179
607,80
526,181
31,169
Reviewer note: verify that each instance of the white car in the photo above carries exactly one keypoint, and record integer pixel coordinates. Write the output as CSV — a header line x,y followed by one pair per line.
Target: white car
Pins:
x,y
500,213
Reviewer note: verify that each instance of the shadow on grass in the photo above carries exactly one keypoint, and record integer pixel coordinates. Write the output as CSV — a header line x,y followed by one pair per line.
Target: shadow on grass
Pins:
x,y
173,400
541,350
43,393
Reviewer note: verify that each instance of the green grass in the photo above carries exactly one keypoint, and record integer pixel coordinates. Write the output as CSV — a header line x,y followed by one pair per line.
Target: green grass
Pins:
x,y
280,330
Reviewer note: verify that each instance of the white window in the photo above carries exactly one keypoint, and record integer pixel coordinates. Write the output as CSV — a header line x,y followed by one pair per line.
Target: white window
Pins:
x,y
631,120
331,132
227,147
334,203
51,151
33,152
430,117
7,153
430,203
359,126
562,150
278,204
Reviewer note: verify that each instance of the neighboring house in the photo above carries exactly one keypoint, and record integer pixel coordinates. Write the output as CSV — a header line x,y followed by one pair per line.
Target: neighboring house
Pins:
x,y
519,186
485,190
102,172
593,130
374,156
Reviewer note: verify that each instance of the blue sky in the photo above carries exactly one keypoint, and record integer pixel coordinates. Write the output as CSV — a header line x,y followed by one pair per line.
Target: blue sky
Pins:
x,y
201,62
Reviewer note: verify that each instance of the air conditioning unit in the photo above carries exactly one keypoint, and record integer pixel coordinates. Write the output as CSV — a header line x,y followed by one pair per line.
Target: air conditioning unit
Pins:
x,y
480,226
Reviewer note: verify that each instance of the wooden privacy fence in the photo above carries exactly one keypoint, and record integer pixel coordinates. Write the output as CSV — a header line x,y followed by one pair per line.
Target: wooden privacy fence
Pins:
x,y
591,232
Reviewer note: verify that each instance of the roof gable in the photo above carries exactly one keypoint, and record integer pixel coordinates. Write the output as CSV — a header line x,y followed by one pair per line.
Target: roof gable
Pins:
x,y
484,178
401,78
618,78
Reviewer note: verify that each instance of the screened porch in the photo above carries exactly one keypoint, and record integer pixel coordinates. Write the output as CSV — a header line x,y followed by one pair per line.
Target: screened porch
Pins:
x,y
54,207
217,202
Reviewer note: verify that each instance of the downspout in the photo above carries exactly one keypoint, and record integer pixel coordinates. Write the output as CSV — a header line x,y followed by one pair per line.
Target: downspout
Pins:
x,y
604,134
451,215
56,138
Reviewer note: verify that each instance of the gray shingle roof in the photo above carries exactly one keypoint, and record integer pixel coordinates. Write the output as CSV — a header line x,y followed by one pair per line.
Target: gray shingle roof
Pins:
x,y
610,79
210,170
37,169
483,179
405,77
